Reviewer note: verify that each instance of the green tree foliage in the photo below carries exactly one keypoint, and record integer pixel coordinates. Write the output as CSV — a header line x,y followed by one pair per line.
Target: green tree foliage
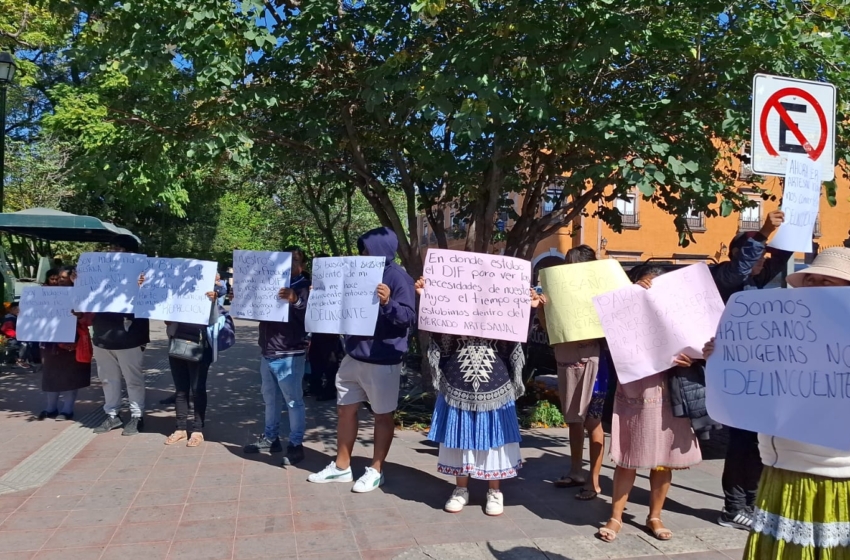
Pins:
x,y
442,101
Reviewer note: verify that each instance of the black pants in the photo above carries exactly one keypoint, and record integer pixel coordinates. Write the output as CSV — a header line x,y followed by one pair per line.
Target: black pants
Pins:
x,y
741,470
325,356
190,380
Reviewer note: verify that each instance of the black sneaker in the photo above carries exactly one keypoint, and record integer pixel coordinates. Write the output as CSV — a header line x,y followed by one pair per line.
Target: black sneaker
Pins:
x,y
170,400
134,426
44,414
64,417
263,444
294,455
742,519
111,423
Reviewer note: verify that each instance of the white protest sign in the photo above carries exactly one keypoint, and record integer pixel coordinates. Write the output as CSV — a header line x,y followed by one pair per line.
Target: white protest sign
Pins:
x,y
108,282
781,365
474,294
344,299
257,278
800,203
45,315
175,290
646,329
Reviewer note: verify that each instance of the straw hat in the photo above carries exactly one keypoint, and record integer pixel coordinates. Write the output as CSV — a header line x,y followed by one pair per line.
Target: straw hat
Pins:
x,y
833,262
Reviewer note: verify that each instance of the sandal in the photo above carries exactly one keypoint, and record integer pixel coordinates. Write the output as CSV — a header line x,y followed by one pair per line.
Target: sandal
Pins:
x,y
662,534
569,481
586,495
609,535
196,439
178,435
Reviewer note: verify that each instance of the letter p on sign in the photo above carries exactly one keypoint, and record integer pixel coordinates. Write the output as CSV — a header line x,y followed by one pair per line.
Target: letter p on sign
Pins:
x,y
792,117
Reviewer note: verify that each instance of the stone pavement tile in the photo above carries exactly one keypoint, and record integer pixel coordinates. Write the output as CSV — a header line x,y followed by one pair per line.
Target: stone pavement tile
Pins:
x,y
324,521
91,463
373,500
385,517
150,551
210,529
317,504
264,525
106,499
535,528
143,533
276,545
23,555
684,541
325,542
721,538
209,511
263,491
216,494
176,461
167,498
440,533
735,554
416,513
299,489
171,471
124,462
627,546
61,487
386,554
222,468
154,514
17,541
215,549
572,548
50,503
277,506
210,459
78,537
704,555
125,473
165,483
203,480
522,549
451,551
384,537
84,475
88,553
11,502
94,518
33,520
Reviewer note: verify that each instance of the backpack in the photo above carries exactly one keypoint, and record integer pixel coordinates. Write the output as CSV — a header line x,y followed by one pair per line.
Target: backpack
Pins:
x,y
226,331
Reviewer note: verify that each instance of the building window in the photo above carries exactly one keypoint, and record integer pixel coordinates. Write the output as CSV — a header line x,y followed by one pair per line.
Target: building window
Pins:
x,y
552,196
695,220
817,233
628,210
502,222
751,218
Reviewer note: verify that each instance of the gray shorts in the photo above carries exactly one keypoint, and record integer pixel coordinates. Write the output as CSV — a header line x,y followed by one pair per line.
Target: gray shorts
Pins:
x,y
377,384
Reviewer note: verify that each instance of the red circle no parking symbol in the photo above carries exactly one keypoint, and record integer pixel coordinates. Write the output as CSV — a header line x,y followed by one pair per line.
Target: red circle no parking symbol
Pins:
x,y
774,102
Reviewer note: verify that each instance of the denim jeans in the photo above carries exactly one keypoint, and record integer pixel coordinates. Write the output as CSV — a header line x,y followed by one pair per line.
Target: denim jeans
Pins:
x,y
68,399
282,379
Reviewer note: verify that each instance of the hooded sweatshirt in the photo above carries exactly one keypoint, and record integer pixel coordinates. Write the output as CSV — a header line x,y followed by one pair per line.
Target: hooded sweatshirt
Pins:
x,y
735,275
389,342
118,331
279,340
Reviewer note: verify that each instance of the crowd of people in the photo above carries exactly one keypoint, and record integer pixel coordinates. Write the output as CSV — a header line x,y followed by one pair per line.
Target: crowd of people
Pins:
x,y
795,508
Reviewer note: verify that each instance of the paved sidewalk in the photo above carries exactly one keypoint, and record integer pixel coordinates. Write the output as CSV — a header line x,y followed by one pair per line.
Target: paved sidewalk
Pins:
x,y
133,497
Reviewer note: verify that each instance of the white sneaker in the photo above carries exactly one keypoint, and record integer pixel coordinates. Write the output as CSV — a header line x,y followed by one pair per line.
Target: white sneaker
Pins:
x,y
331,474
370,480
495,503
459,498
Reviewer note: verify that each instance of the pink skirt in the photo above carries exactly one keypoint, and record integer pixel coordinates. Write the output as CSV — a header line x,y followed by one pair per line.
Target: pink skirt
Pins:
x,y
644,432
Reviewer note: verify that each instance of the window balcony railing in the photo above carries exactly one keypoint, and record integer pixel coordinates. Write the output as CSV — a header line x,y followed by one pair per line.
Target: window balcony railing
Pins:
x,y
696,223
749,225
630,220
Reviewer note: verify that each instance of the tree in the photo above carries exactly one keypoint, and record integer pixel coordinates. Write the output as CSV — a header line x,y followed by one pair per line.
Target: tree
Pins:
x,y
449,102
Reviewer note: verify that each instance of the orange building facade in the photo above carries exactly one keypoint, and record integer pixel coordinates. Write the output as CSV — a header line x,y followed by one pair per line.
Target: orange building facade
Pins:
x,y
648,231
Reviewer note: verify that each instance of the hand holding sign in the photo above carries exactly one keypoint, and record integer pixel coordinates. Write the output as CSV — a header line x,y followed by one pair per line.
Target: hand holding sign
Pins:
x,y
800,204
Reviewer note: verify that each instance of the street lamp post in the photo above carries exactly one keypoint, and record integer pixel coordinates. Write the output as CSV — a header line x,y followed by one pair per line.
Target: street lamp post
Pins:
x,y
7,72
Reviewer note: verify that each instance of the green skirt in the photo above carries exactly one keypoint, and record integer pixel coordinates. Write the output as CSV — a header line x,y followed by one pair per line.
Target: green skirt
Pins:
x,y
800,517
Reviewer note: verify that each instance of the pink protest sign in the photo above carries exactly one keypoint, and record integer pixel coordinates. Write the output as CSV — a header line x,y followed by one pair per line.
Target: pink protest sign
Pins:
x,y
474,294
646,329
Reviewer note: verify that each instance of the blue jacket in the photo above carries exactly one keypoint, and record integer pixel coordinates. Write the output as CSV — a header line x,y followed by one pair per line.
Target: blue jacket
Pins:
x,y
389,343
736,274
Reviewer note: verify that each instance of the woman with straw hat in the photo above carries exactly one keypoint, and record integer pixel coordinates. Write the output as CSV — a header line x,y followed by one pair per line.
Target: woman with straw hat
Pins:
x,y
802,507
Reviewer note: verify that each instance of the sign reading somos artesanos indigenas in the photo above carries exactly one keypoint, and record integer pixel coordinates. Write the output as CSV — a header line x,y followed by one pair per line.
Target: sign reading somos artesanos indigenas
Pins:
x,y
474,294
258,276
344,299
45,315
781,365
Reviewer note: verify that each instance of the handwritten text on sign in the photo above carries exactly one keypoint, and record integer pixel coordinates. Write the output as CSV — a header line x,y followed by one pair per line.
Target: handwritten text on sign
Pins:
x,y
781,365
344,298
570,289
45,315
800,203
258,276
108,282
175,290
474,294
645,329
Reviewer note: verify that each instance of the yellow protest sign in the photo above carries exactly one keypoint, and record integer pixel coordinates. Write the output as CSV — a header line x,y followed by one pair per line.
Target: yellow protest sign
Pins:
x,y
570,289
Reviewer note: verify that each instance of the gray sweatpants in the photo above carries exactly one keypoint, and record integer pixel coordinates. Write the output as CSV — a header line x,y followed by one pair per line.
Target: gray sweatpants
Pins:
x,y
112,365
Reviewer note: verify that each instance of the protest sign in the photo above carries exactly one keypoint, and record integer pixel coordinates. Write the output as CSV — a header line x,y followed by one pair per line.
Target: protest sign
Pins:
x,y
781,365
474,294
646,329
45,315
258,276
800,203
175,290
570,289
344,299
108,282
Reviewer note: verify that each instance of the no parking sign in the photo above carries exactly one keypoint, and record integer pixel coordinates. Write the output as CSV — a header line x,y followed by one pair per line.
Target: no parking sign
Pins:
x,y
792,117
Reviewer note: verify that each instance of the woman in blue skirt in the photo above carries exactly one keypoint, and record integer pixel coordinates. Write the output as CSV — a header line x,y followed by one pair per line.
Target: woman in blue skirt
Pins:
x,y
475,420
